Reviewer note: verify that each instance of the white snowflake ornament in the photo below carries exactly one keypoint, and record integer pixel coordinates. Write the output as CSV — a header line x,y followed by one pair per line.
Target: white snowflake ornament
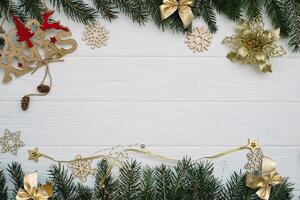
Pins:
x,y
199,39
11,142
95,35
81,168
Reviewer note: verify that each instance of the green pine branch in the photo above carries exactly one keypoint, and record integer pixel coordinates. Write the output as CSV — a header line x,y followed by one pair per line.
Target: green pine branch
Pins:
x,y
16,176
282,191
63,184
105,185
292,9
129,181
32,8
133,9
83,193
3,187
181,182
148,184
275,11
107,9
230,8
76,10
164,181
253,8
204,9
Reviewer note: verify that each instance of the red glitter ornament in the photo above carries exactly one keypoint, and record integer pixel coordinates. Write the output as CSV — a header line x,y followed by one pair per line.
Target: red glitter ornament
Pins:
x,y
23,33
55,25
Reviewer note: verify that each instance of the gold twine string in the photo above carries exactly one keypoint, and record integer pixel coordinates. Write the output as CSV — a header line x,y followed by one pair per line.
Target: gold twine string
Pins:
x,y
148,153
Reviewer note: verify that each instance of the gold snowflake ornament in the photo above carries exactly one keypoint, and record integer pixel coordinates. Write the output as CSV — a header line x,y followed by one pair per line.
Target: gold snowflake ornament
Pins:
x,y
81,168
11,142
254,45
95,35
199,39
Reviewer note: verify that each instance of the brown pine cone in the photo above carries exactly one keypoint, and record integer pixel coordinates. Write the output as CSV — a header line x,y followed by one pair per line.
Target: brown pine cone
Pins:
x,y
43,88
25,102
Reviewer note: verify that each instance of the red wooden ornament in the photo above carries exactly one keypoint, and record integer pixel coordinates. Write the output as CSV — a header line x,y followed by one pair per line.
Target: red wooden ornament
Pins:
x,y
47,25
24,34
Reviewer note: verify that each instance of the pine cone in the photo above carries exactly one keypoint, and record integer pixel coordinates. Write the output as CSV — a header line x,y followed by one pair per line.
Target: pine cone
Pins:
x,y
25,102
43,88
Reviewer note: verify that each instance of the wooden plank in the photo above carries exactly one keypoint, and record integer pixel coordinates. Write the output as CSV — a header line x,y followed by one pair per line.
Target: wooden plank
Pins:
x,y
157,123
285,157
161,79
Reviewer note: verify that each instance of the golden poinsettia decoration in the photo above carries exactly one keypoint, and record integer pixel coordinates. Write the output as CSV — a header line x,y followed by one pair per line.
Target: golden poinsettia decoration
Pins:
x,y
254,45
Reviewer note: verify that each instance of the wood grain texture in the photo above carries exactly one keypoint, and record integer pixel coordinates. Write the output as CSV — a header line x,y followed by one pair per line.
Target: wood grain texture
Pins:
x,y
147,86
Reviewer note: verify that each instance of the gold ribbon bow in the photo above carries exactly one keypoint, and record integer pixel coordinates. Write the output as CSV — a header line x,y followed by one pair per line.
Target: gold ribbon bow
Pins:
x,y
31,190
184,10
269,178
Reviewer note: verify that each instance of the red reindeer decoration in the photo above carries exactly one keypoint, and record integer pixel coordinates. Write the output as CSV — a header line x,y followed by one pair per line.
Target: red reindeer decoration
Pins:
x,y
47,25
24,34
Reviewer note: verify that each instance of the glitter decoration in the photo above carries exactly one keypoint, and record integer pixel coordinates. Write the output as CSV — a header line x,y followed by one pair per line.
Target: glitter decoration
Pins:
x,y
95,35
81,168
11,142
199,39
255,160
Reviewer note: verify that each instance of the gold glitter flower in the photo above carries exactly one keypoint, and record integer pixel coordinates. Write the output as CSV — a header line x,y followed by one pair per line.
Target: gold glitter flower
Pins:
x,y
254,45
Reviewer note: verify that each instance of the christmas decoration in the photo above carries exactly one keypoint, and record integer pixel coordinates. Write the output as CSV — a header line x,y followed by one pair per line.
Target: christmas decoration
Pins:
x,y
34,154
32,39
254,45
182,6
264,182
11,142
283,14
95,35
184,180
32,190
81,168
254,164
199,39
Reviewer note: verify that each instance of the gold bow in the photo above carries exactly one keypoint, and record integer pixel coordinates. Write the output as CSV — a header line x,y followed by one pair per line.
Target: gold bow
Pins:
x,y
269,178
31,190
184,10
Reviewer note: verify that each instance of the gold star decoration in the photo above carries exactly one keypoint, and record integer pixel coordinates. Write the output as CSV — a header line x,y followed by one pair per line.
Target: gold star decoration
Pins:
x,y
253,145
254,45
34,154
11,142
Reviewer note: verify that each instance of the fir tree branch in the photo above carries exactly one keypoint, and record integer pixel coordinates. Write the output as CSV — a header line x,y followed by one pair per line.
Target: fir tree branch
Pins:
x,y
292,9
3,187
63,184
253,8
76,10
133,9
153,8
204,9
164,182
105,185
129,181
275,10
282,191
181,182
32,8
84,193
148,184
107,9
231,8
16,175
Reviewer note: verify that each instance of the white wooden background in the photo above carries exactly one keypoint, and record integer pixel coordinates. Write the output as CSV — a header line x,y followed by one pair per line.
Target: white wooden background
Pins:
x,y
147,86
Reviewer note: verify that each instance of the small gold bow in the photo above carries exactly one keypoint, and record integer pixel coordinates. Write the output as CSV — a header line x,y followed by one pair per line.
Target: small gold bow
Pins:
x,y
268,179
31,190
184,10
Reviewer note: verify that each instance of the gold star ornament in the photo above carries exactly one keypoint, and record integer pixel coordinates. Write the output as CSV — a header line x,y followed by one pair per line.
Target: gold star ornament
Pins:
x,y
253,145
34,154
254,45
